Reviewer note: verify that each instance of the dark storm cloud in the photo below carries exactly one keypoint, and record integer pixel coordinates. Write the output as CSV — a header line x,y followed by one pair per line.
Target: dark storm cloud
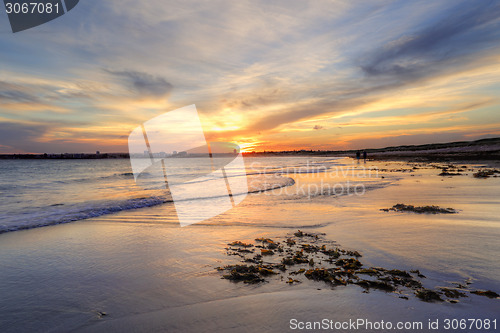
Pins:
x,y
144,83
467,29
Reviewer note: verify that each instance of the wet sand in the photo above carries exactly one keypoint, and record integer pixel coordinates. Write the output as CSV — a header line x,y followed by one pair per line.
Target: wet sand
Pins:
x,y
139,271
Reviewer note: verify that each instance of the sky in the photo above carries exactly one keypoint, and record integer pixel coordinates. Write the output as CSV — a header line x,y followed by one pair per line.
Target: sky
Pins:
x,y
267,75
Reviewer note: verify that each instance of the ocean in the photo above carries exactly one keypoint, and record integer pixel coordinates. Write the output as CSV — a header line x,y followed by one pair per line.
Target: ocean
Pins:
x,y
44,192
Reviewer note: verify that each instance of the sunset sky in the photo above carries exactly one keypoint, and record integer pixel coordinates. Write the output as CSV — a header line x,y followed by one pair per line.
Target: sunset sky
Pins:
x,y
268,75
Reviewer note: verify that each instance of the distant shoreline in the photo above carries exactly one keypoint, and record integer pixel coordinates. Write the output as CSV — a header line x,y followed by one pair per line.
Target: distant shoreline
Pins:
x,y
484,149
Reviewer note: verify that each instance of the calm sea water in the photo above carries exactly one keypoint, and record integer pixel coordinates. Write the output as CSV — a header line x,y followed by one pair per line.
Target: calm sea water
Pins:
x,y
44,192
37,193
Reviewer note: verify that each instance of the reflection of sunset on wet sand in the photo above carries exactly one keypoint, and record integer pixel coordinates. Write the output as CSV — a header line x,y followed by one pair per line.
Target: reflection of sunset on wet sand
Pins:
x,y
137,268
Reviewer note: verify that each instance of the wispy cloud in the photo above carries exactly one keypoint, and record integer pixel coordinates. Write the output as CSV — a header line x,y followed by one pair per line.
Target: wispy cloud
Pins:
x,y
144,83
14,93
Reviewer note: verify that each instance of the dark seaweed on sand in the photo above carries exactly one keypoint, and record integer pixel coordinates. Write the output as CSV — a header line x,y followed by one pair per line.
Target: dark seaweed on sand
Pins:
x,y
486,173
420,210
306,256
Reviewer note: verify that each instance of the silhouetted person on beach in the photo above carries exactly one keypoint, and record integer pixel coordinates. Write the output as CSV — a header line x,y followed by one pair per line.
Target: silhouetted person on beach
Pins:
x,y
358,154
364,155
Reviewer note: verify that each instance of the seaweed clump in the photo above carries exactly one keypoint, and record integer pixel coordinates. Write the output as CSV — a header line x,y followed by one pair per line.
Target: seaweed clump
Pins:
x,y
242,273
450,170
486,173
452,293
381,285
487,293
420,210
428,295
305,257
239,243
350,263
446,173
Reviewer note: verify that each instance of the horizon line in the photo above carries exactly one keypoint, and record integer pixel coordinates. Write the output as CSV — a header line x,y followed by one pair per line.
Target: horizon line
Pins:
x,y
97,153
